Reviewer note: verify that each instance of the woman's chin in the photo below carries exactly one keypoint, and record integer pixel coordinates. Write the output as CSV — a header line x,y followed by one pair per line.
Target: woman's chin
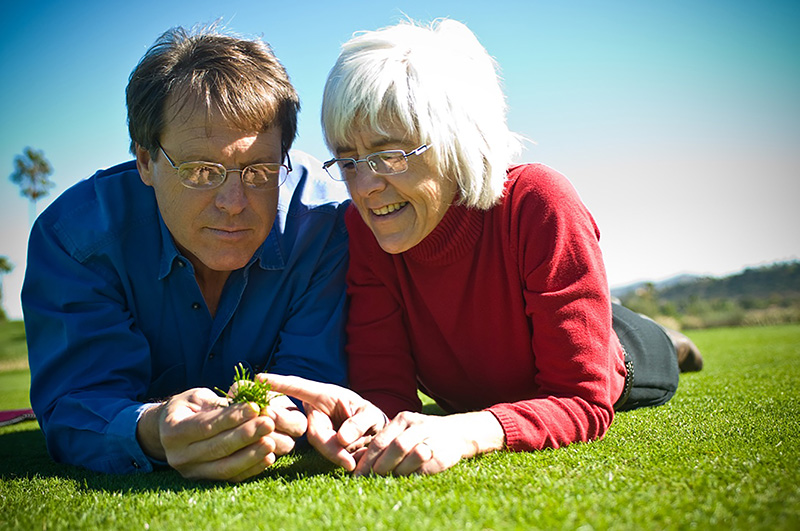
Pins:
x,y
395,243
392,246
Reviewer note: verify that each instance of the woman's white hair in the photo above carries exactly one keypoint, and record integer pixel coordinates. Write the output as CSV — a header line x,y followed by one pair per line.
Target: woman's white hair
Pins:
x,y
438,84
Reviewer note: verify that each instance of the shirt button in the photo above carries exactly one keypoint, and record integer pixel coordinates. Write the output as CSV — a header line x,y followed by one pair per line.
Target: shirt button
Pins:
x,y
195,305
135,464
211,355
181,263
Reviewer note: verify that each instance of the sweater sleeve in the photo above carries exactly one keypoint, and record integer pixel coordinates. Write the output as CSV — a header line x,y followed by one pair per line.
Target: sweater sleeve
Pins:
x,y
381,367
568,305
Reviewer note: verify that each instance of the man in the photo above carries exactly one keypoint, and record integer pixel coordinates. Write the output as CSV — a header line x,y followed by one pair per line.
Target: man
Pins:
x,y
148,283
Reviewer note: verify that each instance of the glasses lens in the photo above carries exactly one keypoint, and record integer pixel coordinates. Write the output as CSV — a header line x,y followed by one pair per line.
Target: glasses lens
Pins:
x,y
388,162
201,175
347,169
264,176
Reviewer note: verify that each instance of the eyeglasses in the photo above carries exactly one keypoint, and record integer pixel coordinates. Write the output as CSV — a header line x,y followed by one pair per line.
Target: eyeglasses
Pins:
x,y
389,162
200,175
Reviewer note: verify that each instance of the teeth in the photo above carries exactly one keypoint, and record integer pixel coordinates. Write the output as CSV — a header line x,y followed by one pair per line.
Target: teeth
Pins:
x,y
388,209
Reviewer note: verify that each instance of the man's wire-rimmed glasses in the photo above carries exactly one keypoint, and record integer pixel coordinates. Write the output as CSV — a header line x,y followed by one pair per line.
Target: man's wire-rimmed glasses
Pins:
x,y
201,175
389,162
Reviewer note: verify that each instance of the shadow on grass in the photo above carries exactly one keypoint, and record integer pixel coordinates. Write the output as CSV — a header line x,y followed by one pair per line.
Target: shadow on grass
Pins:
x,y
433,409
23,455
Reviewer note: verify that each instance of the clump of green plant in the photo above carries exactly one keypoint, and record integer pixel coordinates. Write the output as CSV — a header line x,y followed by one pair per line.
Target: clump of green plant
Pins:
x,y
246,388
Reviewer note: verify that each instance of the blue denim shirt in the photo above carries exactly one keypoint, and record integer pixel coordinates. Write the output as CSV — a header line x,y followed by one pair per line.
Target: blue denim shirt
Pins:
x,y
115,318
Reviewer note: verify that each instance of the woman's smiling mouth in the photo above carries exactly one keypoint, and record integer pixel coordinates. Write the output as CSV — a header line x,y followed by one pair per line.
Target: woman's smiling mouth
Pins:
x,y
388,209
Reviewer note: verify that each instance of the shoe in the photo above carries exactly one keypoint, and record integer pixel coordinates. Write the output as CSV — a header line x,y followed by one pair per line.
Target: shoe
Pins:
x,y
689,358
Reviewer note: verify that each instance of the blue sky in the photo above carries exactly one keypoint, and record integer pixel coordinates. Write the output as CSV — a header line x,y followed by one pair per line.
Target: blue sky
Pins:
x,y
678,122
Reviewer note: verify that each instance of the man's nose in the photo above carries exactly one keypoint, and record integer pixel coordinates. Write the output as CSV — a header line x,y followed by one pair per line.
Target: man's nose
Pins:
x,y
230,194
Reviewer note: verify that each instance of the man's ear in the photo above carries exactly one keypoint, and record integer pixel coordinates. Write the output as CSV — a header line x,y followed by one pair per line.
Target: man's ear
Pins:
x,y
144,163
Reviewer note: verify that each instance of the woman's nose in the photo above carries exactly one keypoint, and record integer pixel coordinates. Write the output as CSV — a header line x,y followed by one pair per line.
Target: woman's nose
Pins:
x,y
365,181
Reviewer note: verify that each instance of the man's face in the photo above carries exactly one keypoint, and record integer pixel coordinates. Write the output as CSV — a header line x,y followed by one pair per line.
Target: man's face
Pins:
x,y
217,229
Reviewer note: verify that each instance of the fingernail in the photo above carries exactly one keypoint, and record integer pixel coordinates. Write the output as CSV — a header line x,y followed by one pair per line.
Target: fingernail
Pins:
x,y
255,407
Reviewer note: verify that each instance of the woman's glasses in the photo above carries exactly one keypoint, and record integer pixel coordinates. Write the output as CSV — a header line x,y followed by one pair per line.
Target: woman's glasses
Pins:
x,y
389,162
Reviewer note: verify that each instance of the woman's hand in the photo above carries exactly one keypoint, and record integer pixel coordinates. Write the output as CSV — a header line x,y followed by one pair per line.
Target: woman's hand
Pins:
x,y
413,443
340,422
290,423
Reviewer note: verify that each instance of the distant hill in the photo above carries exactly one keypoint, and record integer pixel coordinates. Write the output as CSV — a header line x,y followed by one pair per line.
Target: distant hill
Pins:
x,y
623,291
758,295
782,278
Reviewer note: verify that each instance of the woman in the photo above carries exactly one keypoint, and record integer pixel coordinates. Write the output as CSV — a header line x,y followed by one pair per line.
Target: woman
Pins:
x,y
480,284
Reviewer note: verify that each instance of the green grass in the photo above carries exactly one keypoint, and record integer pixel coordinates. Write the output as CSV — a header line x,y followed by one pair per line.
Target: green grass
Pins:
x,y
14,374
13,351
723,454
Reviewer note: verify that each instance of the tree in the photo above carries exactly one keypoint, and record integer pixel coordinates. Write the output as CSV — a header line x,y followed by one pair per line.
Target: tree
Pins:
x,y
31,173
5,267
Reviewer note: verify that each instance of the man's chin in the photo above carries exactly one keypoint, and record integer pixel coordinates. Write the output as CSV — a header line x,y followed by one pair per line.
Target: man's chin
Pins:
x,y
222,262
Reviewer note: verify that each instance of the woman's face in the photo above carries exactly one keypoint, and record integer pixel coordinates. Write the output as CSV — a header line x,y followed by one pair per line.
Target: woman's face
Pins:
x,y
400,209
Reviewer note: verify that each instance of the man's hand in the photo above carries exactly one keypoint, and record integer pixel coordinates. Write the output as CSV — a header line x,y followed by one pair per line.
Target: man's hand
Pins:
x,y
201,438
339,420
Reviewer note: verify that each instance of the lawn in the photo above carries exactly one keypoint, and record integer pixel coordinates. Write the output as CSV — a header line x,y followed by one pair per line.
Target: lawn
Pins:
x,y
723,454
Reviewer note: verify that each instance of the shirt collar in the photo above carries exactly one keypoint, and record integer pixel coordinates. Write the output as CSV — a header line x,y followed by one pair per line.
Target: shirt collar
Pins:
x,y
269,254
169,252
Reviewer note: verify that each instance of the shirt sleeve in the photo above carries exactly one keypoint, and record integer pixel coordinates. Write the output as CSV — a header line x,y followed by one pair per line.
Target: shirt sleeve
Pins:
x,y
381,366
311,341
568,304
89,364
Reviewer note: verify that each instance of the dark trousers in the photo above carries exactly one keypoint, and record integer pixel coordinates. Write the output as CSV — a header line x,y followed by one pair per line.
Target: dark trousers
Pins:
x,y
655,365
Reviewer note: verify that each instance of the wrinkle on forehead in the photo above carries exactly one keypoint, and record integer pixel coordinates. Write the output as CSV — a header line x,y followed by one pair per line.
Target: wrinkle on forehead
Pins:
x,y
180,111
384,126
374,138
194,132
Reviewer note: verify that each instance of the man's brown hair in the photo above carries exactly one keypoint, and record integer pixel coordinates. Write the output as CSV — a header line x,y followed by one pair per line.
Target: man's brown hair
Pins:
x,y
242,79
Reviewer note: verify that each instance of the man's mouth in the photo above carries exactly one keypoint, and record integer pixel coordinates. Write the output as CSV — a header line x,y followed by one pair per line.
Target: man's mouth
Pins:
x,y
228,229
229,233
388,209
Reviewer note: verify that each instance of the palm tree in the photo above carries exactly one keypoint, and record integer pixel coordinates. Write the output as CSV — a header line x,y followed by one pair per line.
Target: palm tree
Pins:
x,y
5,267
31,172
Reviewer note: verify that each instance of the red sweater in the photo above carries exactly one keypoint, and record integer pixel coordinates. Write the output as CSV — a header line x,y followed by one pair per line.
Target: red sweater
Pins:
x,y
506,309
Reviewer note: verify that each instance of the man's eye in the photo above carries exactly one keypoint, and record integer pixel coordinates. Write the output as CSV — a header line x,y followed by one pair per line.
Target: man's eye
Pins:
x,y
204,174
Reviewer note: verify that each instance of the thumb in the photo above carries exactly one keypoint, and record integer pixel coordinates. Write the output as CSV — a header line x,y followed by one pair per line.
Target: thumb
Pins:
x,y
323,438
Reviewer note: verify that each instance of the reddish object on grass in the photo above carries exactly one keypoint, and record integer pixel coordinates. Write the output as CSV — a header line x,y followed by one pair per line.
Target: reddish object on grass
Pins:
x,y
12,416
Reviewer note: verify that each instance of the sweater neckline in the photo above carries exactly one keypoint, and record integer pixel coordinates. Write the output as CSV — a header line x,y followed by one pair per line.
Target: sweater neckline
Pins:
x,y
456,233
